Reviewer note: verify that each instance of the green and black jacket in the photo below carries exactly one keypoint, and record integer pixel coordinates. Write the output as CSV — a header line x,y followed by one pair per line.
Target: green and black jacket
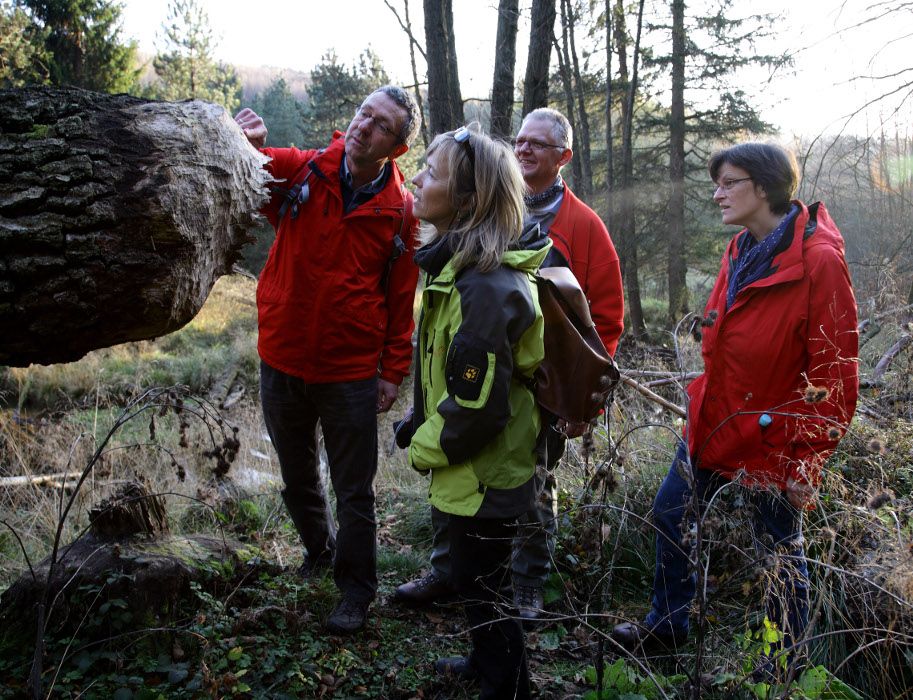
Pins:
x,y
476,422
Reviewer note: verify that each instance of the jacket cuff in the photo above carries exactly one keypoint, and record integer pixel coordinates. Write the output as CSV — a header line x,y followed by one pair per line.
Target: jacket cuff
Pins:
x,y
390,376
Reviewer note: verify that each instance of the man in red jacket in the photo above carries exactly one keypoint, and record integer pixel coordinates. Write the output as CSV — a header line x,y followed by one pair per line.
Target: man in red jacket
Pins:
x,y
334,305
582,243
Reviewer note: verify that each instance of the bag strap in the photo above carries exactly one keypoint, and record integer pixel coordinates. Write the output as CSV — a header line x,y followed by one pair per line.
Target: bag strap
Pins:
x,y
399,246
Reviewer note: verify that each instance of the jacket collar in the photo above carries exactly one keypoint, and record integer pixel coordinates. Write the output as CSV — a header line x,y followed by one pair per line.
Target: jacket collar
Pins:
x,y
327,163
790,263
563,222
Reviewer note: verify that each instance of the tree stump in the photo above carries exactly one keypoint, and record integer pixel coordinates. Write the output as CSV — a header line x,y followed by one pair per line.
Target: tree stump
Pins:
x,y
132,511
127,554
117,215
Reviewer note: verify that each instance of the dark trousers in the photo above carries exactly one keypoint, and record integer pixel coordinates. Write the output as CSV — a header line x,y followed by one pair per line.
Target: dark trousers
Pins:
x,y
534,546
480,556
347,415
777,529
534,543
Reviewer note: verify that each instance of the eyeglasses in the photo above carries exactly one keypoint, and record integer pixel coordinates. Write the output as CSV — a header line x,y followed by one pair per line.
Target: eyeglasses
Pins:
x,y
365,114
535,145
729,183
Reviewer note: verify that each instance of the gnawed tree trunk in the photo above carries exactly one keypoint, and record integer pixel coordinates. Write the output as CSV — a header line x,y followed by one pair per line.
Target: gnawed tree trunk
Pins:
x,y
116,217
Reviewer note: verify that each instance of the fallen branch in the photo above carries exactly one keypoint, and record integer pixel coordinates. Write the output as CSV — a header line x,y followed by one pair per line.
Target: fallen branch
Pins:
x,y
889,356
656,398
39,479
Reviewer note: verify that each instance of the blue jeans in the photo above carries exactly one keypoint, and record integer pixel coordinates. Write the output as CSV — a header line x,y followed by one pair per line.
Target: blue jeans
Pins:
x,y
674,582
347,415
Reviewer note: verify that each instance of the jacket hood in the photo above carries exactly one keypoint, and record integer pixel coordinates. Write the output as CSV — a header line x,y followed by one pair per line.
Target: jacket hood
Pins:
x,y
528,259
527,254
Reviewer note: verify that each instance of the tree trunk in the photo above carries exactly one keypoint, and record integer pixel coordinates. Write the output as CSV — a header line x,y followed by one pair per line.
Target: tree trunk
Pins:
x,y
678,288
582,133
445,105
502,87
564,70
609,138
626,223
116,217
541,35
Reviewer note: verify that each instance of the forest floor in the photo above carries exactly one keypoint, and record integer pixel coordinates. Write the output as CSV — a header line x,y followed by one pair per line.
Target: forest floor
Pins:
x,y
255,630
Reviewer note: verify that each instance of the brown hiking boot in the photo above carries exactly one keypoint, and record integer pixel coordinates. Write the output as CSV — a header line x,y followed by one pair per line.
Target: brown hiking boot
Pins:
x,y
426,590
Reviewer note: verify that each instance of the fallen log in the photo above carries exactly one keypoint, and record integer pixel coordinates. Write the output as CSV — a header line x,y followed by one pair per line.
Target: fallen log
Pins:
x,y
117,215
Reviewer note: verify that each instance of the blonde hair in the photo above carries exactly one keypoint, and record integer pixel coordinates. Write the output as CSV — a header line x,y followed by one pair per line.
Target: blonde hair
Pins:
x,y
487,195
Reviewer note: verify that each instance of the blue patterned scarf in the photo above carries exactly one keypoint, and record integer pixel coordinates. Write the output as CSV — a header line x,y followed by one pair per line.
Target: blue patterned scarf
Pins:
x,y
754,258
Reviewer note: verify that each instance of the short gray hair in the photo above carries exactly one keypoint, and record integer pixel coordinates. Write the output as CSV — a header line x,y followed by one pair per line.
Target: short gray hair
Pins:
x,y
561,127
404,100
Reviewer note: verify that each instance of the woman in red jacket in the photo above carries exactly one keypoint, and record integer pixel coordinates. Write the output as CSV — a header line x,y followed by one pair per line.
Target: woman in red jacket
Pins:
x,y
777,393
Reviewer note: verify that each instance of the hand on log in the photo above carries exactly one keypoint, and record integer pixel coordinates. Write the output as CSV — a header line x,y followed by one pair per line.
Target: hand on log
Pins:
x,y
117,215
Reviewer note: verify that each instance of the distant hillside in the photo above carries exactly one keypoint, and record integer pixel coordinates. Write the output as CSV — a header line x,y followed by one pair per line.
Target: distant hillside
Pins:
x,y
254,79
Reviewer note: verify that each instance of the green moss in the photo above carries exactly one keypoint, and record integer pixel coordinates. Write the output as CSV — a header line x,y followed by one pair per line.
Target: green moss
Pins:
x,y
39,131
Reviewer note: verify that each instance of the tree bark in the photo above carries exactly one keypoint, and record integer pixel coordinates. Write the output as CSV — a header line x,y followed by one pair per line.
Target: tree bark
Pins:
x,y
445,105
502,87
677,268
116,217
541,35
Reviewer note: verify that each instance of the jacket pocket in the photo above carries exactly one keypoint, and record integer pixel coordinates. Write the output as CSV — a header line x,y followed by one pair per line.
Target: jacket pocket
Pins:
x,y
469,371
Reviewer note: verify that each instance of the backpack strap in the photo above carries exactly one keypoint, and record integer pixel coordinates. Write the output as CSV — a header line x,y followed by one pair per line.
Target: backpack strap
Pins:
x,y
399,246
294,196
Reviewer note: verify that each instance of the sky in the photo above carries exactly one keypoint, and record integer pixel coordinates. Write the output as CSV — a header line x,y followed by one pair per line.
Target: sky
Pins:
x,y
815,97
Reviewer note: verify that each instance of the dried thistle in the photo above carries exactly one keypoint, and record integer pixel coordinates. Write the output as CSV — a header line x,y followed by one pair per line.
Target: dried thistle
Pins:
x,y
876,446
879,499
834,433
710,318
816,394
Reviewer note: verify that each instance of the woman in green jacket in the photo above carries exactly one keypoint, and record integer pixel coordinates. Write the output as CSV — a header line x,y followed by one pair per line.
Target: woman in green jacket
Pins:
x,y
475,421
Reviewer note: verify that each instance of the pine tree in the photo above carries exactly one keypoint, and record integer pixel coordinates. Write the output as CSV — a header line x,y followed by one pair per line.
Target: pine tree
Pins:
x,y
336,91
23,58
187,69
82,41
283,114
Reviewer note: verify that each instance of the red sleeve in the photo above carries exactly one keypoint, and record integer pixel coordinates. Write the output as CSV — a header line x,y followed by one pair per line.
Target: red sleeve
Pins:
x,y
397,353
285,165
833,370
603,286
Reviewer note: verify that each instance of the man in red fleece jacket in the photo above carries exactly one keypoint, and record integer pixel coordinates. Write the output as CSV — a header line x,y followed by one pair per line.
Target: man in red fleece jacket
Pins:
x,y
334,304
